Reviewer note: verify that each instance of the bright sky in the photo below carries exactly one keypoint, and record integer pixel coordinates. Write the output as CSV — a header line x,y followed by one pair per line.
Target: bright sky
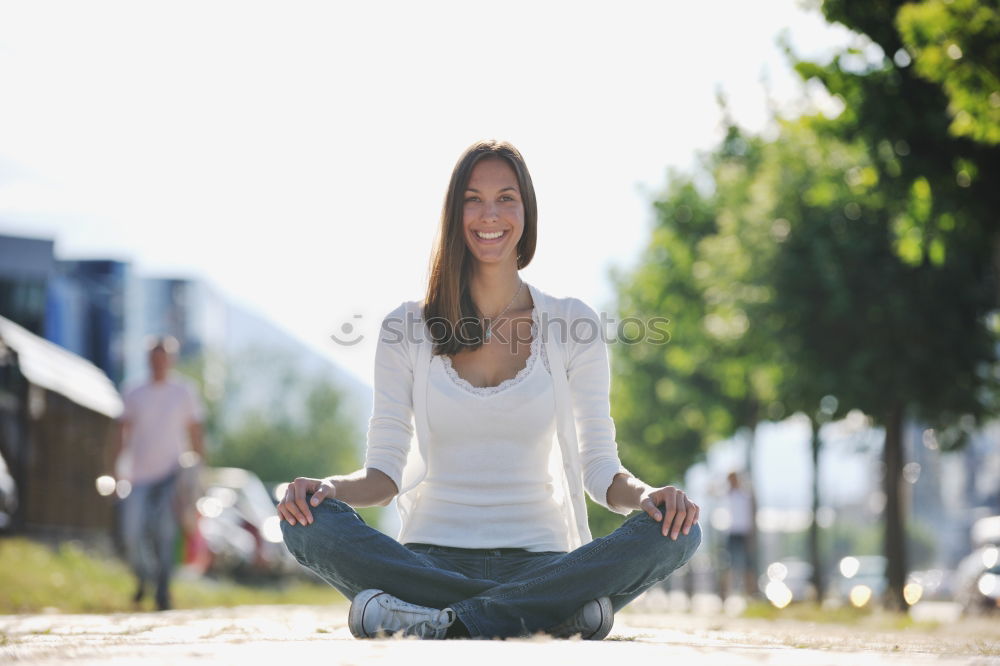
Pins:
x,y
295,155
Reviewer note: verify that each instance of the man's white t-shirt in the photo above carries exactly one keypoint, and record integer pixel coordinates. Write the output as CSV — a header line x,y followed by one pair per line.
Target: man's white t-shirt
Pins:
x,y
741,511
159,414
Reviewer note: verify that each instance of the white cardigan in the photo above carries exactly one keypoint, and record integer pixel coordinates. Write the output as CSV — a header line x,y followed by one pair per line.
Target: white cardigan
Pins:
x,y
587,455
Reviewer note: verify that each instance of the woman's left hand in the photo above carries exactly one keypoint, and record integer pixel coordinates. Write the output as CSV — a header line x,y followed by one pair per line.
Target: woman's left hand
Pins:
x,y
679,512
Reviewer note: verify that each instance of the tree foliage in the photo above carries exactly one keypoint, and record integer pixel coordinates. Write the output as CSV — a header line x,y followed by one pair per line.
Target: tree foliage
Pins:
x,y
847,263
956,44
905,119
281,423
928,168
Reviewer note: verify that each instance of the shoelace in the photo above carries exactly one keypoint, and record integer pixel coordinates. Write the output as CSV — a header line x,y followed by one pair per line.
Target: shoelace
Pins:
x,y
432,627
397,604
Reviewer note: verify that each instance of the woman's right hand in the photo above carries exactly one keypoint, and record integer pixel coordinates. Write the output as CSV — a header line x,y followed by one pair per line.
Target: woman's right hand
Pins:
x,y
294,507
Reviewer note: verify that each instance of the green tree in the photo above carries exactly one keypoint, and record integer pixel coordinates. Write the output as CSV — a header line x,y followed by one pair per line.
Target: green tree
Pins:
x,y
752,186
795,283
879,333
280,446
904,120
716,373
921,337
662,414
956,44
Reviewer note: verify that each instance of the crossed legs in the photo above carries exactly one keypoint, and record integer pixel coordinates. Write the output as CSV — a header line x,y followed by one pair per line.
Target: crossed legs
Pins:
x,y
352,556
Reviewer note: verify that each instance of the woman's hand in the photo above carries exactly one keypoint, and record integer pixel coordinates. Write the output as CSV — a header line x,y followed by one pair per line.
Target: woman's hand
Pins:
x,y
294,508
679,512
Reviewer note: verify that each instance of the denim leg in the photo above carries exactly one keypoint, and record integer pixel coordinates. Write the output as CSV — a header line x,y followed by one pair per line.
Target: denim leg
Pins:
x,y
134,526
352,556
165,528
620,565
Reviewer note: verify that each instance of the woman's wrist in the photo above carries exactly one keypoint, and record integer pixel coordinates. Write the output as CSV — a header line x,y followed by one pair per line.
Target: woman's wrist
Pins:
x,y
626,491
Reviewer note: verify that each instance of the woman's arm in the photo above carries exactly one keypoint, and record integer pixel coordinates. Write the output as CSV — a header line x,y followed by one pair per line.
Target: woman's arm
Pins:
x,y
588,371
679,512
607,481
390,429
365,487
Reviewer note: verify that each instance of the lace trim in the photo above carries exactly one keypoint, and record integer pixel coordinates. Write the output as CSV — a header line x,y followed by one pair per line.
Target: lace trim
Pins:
x,y
537,350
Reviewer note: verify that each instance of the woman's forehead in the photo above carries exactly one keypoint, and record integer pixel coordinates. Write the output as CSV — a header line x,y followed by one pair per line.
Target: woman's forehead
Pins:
x,y
492,170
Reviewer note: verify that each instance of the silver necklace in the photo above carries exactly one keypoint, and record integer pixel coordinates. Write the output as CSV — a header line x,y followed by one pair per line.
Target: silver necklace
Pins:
x,y
489,330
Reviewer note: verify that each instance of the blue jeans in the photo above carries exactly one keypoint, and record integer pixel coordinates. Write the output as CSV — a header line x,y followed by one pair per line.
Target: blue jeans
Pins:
x,y
149,531
496,592
739,552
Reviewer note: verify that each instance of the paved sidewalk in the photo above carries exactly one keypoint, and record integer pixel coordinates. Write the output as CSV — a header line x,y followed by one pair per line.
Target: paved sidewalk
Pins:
x,y
316,634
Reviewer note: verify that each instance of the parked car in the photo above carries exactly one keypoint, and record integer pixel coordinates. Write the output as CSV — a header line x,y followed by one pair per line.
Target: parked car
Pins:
x,y
977,578
929,585
240,525
788,580
8,497
861,580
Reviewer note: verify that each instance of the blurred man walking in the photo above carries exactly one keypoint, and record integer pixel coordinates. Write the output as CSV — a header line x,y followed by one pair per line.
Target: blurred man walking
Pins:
x,y
740,540
160,424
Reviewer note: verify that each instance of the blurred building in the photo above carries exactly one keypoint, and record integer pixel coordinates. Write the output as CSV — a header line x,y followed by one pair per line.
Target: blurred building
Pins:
x,y
100,313
100,310
57,413
86,311
26,268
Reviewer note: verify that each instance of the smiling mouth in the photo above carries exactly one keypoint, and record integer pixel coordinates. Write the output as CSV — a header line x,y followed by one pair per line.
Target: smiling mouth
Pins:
x,y
490,236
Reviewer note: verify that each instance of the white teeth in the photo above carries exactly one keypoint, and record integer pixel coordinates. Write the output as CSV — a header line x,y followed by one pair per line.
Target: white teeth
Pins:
x,y
489,236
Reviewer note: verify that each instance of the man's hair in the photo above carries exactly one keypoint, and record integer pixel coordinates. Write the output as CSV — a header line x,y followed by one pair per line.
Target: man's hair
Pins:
x,y
167,343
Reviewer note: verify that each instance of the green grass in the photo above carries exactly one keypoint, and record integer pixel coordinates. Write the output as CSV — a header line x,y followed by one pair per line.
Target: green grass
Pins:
x,y
72,579
849,615
806,612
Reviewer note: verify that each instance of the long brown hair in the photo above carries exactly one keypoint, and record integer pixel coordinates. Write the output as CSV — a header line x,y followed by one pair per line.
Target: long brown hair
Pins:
x,y
449,310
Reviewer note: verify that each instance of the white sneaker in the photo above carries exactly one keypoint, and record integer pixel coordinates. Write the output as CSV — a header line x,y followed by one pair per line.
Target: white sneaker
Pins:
x,y
374,612
592,622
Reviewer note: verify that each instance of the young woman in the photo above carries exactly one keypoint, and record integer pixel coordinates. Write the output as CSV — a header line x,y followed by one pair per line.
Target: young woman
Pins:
x,y
508,388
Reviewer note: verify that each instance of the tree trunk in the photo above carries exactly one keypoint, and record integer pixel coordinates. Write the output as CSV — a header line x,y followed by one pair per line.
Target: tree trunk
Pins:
x,y
996,264
814,555
753,545
895,533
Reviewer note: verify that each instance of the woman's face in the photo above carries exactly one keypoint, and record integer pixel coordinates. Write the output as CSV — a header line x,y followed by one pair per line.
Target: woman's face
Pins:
x,y
493,207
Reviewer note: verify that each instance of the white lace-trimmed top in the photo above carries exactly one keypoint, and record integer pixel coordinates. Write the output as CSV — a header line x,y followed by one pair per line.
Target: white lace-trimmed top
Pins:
x,y
488,484
537,351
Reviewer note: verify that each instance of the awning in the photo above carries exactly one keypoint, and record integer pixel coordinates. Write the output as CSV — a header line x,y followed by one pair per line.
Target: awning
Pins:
x,y
48,365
